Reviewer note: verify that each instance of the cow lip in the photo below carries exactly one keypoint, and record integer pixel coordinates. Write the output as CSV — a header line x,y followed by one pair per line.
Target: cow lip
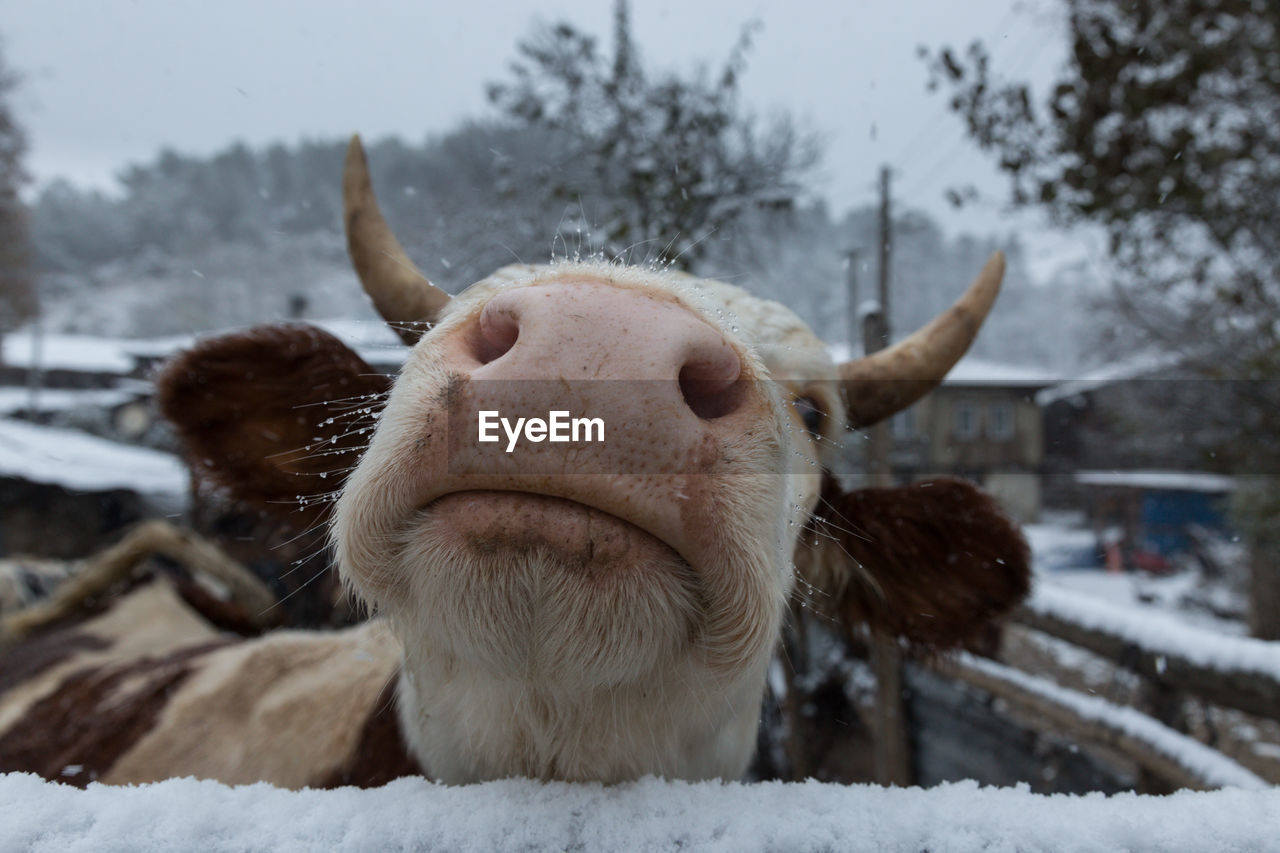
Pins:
x,y
543,496
596,544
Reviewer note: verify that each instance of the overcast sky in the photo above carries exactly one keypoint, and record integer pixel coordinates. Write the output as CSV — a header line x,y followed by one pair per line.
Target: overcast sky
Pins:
x,y
109,82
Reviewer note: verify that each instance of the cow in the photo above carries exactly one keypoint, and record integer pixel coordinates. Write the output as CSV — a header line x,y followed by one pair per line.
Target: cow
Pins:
x,y
570,610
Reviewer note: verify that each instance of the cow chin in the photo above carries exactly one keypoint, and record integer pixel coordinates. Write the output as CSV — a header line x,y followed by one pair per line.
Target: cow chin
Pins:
x,y
544,590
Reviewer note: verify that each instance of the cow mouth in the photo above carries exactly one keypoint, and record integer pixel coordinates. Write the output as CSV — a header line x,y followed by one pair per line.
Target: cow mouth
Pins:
x,y
492,522
533,586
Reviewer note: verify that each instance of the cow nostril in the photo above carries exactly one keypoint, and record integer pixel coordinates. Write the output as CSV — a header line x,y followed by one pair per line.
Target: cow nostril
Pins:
x,y
709,393
496,333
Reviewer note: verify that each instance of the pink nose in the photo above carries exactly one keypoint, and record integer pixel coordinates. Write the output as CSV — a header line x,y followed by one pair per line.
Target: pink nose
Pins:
x,y
582,333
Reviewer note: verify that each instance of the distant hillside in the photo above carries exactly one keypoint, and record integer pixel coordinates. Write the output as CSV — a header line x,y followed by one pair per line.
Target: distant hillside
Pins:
x,y
250,236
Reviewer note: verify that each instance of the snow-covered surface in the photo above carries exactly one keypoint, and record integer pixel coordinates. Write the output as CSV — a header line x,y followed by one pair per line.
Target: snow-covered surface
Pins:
x,y
58,400
1135,368
971,370
980,371
67,352
375,342
1065,556
88,353
1147,593
1159,632
1181,481
82,462
1098,673
1056,546
1206,763
372,340
411,814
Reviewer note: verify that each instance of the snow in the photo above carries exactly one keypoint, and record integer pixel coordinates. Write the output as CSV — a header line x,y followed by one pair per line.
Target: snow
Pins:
x,y
1097,672
66,352
981,371
1059,547
86,353
867,308
1145,593
58,400
647,815
1065,556
1182,481
1158,632
1266,750
82,462
1144,364
372,340
375,342
972,370
1206,763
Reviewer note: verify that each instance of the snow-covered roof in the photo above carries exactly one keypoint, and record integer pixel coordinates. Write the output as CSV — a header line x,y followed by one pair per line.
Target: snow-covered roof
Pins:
x,y
82,462
373,340
85,353
413,814
1131,368
981,371
972,370
13,399
1173,481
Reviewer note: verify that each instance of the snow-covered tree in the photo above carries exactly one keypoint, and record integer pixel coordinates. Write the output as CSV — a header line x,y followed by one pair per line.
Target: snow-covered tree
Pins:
x,y
1162,129
660,161
17,292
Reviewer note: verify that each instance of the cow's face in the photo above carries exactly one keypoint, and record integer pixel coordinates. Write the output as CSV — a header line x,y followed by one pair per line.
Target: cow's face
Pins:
x,y
590,563
595,609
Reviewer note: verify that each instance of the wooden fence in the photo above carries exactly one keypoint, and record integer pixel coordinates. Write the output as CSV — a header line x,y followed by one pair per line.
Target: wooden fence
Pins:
x,y
1174,662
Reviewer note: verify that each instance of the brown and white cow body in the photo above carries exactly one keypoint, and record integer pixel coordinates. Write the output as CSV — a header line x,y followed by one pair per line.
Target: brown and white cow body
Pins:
x,y
563,611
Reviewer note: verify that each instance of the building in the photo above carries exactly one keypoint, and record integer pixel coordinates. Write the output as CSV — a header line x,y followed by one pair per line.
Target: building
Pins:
x,y
982,423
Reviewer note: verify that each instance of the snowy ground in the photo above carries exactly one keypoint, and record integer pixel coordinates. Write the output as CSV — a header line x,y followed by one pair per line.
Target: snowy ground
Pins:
x,y
646,815
1064,557
78,461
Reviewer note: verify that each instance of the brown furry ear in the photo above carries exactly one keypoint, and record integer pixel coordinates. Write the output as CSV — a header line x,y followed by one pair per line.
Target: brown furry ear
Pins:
x,y
277,415
933,562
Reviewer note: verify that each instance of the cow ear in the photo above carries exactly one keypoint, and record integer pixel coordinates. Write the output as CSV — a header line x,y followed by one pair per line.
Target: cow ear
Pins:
x,y
933,562
276,415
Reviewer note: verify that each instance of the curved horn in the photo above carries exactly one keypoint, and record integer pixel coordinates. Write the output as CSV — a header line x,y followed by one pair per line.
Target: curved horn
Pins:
x,y
889,381
400,292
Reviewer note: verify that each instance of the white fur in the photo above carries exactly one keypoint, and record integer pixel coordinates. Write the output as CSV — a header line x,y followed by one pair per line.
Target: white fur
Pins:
x,y
515,664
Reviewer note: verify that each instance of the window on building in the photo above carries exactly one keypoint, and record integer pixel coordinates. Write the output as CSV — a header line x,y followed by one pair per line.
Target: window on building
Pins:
x,y
965,416
1000,421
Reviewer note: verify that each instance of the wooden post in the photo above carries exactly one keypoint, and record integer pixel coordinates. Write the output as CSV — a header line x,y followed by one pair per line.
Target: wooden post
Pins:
x,y
795,661
893,742
1264,587
885,254
1164,704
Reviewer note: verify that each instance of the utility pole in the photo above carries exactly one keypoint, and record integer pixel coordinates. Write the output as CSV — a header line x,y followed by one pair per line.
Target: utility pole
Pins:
x,y
876,333
893,744
851,258
886,248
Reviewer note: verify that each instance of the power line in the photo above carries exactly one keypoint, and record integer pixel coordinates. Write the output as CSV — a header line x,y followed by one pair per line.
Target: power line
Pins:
x,y
927,129
907,163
